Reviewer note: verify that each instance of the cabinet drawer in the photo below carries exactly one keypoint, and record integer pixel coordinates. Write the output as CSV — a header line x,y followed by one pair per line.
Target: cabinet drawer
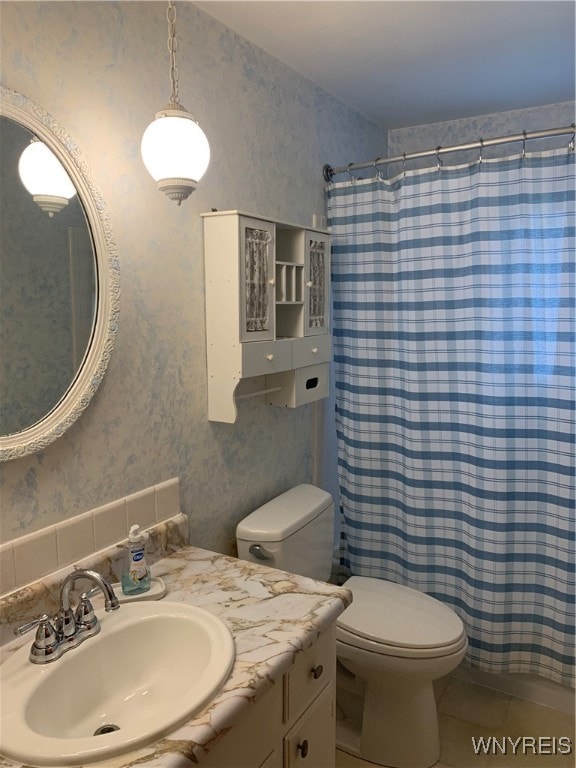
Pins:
x,y
260,357
312,740
311,350
310,674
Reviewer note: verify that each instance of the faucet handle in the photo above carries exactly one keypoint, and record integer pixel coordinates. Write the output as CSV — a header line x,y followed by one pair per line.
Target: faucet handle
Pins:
x,y
85,617
45,645
23,628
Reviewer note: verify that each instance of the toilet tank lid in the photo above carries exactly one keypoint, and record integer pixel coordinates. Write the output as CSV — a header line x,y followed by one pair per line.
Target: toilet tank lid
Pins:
x,y
284,515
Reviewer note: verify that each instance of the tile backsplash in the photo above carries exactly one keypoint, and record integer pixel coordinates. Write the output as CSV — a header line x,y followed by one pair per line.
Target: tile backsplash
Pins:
x,y
43,595
38,554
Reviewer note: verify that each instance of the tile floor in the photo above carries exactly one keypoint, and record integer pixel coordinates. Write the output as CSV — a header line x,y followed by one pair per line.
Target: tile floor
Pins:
x,y
466,710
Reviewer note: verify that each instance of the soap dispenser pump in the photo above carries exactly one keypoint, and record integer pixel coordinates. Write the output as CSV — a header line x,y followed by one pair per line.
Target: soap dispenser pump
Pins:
x,y
136,573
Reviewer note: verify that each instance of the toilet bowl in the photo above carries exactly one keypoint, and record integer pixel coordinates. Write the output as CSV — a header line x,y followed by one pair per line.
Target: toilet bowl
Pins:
x,y
392,641
395,641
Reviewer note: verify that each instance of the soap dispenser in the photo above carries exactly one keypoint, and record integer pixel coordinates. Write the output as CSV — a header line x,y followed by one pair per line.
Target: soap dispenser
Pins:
x,y
136,573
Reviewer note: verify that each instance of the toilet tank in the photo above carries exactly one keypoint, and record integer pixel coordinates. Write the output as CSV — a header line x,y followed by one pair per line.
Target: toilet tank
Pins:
x,y
293,531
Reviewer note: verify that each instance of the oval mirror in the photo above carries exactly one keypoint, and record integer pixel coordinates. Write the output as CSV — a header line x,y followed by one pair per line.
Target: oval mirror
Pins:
x,y
59,282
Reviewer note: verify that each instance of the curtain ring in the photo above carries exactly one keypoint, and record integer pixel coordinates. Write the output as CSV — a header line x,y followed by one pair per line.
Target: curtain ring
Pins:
x,y
481,151
378,172
403,165
352,178
438,161
571,142
524,145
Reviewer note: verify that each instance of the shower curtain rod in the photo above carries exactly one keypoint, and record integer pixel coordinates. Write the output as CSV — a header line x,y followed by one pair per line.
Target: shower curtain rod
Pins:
x,y
330,172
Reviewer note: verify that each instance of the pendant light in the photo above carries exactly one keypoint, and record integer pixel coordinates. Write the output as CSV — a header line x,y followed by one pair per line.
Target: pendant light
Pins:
x,y
174,148
44,177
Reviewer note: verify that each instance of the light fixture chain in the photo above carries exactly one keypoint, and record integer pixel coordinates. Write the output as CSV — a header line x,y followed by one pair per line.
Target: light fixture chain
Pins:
x,y
171,16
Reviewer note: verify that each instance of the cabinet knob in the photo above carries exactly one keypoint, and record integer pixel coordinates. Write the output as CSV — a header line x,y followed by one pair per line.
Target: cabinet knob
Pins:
x,y
309,284
270,357
314,350
317,671
272,281
303,748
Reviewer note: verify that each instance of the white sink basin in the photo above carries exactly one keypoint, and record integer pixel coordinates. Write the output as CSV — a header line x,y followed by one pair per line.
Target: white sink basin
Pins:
x,y
150,668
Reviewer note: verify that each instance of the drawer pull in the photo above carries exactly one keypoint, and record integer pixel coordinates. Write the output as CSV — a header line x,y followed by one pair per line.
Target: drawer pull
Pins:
x,y
317,671
303,748
270,357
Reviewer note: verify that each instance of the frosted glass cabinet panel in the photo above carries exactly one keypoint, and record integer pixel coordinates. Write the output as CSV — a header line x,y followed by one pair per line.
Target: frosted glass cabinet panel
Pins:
x,y
257,280
317,268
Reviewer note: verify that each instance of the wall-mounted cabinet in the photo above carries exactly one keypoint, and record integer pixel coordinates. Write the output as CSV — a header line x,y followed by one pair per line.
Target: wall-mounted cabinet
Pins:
x,y
267,309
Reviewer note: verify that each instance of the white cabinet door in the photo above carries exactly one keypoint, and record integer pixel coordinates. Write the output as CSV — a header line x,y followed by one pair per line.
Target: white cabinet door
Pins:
x,y
311,742
257,280
256,740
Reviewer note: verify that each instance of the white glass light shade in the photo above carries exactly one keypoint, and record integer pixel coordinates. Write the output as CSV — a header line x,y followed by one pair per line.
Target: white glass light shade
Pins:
x,y
176,152
45,178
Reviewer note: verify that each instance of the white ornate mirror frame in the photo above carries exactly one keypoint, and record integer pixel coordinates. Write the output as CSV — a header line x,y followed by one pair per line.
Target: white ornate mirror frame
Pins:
x,y
36,437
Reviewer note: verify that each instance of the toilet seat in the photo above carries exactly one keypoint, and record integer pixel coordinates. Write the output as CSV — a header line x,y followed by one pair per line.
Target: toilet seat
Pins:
x,y
395,620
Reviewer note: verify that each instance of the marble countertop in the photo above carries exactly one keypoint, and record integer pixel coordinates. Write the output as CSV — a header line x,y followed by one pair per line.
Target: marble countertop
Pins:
x,y
272,615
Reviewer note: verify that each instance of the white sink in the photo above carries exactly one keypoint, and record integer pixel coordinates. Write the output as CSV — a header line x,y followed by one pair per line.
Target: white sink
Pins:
x,y
150,668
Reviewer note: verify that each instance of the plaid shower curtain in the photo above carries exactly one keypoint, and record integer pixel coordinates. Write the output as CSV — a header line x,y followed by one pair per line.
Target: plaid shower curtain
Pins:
x,y
455,396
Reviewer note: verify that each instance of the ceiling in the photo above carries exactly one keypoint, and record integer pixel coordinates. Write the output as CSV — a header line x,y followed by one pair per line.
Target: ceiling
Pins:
x,y
412,62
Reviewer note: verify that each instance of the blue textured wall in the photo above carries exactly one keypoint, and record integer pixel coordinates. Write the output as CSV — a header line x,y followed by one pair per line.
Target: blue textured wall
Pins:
x,y
101,70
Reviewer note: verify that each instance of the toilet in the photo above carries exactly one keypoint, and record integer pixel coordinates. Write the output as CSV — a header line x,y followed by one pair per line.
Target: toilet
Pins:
x,y
392,642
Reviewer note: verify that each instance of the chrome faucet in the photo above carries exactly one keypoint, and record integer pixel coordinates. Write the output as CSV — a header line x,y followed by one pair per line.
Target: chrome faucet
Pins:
x,y
69,628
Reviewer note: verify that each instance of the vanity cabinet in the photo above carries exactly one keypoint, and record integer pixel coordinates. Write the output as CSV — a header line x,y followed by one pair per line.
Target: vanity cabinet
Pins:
x,y
267,310
293,724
